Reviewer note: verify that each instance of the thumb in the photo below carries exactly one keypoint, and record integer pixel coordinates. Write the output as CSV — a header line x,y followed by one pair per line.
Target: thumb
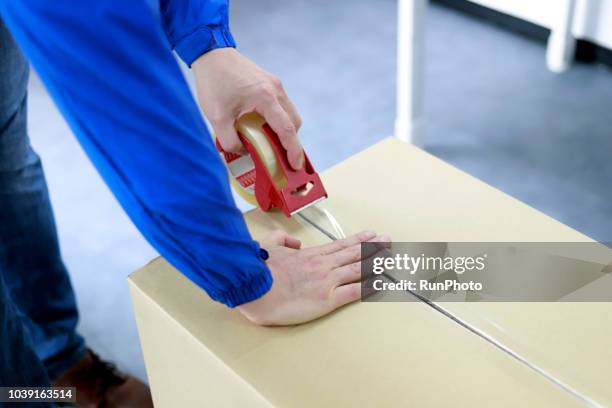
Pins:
x,y
282,238
228,136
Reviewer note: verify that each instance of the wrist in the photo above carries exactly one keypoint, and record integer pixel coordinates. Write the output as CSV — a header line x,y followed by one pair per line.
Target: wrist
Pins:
x,y
211,57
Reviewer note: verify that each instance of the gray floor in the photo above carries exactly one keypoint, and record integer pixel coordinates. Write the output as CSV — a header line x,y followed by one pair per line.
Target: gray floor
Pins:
x,y
492,109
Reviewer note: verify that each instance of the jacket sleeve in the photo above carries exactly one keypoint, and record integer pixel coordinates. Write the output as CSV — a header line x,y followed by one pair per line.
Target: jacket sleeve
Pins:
x,y
108,67
194,27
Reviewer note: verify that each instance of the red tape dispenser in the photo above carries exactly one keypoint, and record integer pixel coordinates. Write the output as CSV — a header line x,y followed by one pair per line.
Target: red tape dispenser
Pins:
x,y
263,175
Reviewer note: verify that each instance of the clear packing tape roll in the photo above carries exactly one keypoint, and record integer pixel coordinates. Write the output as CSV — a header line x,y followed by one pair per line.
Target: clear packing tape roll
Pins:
x,y
242,167
242,172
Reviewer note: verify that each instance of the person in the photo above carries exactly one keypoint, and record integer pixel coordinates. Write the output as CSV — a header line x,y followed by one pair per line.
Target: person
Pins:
x,y
109,67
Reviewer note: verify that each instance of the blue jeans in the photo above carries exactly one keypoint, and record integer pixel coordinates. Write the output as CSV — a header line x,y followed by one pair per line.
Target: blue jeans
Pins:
x,y
38,314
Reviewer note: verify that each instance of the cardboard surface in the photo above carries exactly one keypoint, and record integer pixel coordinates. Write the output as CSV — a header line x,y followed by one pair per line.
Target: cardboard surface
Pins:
x,y
198,353
439,203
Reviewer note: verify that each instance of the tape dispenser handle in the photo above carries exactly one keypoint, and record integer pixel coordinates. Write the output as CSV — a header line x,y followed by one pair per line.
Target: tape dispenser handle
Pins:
x,y
302,186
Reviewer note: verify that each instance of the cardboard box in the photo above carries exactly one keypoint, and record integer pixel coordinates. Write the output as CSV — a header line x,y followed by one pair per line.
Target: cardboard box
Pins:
x,y
199,353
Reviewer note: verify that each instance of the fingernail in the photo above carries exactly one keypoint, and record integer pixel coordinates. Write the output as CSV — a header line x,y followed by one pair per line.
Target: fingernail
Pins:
x,y
367,235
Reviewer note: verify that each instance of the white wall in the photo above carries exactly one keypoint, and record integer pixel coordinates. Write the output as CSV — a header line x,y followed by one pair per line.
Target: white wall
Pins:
x,y
593,21
592,18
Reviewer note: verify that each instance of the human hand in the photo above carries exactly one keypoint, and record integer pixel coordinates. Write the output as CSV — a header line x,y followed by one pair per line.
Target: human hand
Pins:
x,y
308,283
230,85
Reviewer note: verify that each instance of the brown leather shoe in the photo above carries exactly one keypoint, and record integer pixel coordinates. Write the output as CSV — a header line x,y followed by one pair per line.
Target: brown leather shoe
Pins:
x,y
99,384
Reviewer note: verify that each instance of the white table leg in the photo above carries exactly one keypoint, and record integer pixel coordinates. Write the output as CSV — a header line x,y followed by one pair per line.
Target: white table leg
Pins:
x,y
561,42
410,63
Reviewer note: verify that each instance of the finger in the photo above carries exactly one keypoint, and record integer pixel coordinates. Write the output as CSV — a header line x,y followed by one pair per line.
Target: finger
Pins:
x,y
346,294
291,110
353,253
282,125
276,237
282,238
353,272
340,244
228,136
291,242
348,274
286,103
373,247
367,285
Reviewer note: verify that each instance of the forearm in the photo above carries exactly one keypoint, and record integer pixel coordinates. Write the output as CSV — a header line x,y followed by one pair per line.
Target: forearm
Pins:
x,y
124,97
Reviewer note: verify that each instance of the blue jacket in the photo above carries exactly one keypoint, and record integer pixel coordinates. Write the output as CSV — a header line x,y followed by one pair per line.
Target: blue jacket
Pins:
x,y
109,67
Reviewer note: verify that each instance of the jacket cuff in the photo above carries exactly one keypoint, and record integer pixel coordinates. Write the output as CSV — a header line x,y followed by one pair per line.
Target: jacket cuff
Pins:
x,y
202,40
248,291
